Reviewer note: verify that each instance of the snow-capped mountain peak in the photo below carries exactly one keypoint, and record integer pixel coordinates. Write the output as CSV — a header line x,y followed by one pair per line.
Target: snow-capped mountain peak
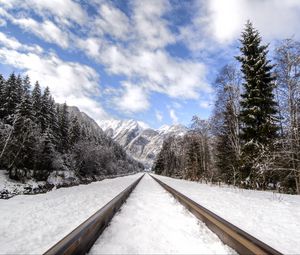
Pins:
x,y
139,140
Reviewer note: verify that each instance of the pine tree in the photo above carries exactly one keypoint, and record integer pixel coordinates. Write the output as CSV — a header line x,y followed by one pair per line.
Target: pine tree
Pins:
x,y
45,114
192,160
2,96
74,132
24,109
21,149
159,164
258,113
12,95
20,88
26,85
47,153
54,125
37,102
64,127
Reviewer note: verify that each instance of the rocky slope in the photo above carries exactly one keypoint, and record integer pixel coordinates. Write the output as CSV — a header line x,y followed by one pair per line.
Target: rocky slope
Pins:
x,y
140,141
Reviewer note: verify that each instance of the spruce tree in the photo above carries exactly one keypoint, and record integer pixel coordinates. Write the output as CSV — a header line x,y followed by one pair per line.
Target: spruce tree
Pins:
x,y
45,115
159,164
26,85
2,96
64,127
54,125
12,96
74,132
258,107
37,102
193,171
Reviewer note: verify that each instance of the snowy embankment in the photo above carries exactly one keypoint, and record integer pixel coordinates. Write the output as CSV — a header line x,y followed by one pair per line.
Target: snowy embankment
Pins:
x,y
273,218
32,224
153,222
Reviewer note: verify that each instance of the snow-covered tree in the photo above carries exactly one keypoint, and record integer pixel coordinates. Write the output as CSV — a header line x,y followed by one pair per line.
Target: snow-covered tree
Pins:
x,y
74,131
258,107
63,122
2,96
26,85
45,114
37,102
288,94
12,94
225,124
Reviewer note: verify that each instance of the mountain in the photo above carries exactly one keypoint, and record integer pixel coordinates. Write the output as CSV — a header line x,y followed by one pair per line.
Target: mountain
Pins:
x,y
86,122
111,157
140,141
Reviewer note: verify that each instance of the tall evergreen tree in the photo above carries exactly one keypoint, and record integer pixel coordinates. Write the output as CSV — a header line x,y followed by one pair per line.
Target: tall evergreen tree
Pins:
x,y
54,125
47,153
24,133
37,102
2,96
12,95
193,163
64,127
74,132
26,85
258,107
20,88
45,114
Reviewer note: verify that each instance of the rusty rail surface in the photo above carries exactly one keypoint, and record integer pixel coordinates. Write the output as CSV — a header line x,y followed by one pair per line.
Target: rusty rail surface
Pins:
x,y
82,238
231,235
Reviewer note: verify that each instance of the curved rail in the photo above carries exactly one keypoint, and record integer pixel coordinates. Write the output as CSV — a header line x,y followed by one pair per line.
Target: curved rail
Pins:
x,y
231,235
82,238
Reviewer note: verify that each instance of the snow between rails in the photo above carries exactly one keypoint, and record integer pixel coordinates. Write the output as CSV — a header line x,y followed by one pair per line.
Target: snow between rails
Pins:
x,y
153,222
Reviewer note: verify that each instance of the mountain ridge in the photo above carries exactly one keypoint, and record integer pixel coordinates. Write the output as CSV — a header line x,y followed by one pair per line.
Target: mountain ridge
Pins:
x,y
138,139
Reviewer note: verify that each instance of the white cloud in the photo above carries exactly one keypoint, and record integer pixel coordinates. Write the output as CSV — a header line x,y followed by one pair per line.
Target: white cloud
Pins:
x,y
139,54
3,22
63,10
68,81
9,42
173,116
151,28
160,72
46,30
158,116
91,46
223,21
133,99
111,21
132,45
12,43
205,104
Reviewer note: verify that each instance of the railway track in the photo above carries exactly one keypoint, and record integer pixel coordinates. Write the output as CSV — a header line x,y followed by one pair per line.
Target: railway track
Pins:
x,y
231,235
81,239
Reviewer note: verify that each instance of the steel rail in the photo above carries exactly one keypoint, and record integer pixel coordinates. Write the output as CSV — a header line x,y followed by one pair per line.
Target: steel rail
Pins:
x,y
231,235
82,238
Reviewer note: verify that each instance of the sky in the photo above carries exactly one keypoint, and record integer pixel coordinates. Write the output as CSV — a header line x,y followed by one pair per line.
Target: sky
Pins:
x,y
150,60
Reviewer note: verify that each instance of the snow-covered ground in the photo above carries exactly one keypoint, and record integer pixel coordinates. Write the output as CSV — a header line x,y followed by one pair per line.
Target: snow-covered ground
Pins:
x,y
9,188
30,224
273,218
153,222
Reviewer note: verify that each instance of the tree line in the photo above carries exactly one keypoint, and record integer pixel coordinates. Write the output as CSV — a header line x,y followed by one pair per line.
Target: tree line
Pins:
x,y
252,139
39,137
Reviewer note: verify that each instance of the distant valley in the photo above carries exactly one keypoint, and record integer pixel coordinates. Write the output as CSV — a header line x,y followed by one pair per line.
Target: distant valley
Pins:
x,y
139,141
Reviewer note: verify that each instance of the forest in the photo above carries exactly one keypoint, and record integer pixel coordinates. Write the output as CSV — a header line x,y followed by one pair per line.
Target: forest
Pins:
x,y
40,138
252,139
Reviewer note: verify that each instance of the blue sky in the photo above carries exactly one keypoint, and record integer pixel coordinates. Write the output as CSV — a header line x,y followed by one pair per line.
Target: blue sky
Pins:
x,y
150,60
